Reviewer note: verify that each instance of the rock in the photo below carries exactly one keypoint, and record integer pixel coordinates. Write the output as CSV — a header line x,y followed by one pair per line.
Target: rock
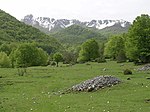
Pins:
x,y
128,78
121,64
148,78
127,72
104,69
96,83
144,68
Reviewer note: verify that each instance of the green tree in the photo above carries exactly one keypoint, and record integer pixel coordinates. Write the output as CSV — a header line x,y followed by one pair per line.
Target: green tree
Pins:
x,y
4,60
57,57
29,55
101,58
25,55
138,41
7,47
68,57
115,48
12,58
89,51
42,57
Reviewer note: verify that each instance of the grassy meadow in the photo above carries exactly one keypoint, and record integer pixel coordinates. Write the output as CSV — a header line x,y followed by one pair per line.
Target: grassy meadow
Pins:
x,y
38,90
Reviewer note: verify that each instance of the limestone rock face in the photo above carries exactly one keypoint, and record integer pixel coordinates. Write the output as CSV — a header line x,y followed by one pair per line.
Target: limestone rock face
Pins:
x,y
52,24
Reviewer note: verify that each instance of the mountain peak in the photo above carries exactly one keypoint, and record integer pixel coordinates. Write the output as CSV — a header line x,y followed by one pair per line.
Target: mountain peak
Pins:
x,y
52,24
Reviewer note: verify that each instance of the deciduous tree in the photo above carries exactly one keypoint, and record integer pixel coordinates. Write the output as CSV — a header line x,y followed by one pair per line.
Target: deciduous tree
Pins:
x,y
115,48
57,57
4,60
29,55
89,51
138,41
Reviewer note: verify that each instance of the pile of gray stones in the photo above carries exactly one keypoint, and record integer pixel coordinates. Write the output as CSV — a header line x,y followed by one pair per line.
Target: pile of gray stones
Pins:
x,y
96,83
144,68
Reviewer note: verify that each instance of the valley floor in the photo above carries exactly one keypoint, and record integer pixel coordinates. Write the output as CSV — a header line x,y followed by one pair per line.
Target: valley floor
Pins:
x,y
38,90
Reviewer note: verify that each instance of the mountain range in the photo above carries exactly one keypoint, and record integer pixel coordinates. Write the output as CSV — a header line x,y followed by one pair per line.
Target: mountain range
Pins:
x,y
47,24
64,32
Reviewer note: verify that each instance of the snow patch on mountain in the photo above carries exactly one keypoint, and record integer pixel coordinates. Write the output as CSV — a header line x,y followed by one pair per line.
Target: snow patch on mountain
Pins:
x,y
70,23
51,23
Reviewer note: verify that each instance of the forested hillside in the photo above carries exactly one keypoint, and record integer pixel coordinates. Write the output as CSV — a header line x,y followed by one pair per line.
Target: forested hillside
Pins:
x,y
114,30
75,35
14,31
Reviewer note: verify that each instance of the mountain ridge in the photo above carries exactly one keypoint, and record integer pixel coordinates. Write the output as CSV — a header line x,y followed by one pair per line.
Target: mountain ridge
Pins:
x,y
50,24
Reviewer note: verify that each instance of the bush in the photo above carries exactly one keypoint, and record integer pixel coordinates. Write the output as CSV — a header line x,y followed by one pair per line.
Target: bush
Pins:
x,y
22,71
121,57
57,58
29,55
4,60
69,57
52,63
100,60
137,62
127,72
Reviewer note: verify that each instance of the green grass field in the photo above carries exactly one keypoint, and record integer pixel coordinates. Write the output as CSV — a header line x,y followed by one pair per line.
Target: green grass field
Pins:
x,y
37,91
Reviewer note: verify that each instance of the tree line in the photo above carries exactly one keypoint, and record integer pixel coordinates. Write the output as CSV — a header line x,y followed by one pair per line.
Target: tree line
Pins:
x,y
135,45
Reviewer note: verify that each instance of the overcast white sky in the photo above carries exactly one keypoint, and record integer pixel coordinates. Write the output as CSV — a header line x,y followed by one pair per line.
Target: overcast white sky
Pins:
x,y
84,10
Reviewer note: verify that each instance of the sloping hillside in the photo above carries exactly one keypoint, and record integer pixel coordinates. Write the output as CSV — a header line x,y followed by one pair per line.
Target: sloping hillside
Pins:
x,y
12,30
75,35
114,30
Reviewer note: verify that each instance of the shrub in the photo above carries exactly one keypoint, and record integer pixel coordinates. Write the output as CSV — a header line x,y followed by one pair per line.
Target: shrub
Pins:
x,y
29,55
22,71
57,58
52,63
100,60
121,57
127,72
69,57
4,60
